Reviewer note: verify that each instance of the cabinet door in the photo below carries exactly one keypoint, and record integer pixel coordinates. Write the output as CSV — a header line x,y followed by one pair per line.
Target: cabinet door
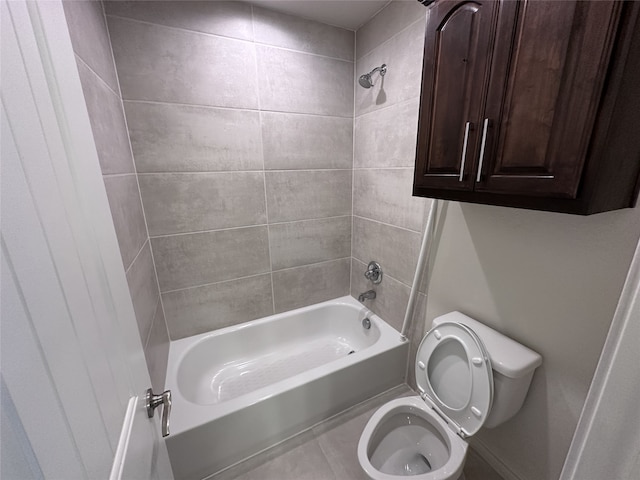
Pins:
x,y
548,70
455,74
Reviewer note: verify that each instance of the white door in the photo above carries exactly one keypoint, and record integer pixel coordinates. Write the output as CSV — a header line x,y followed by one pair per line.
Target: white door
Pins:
x,y
73,372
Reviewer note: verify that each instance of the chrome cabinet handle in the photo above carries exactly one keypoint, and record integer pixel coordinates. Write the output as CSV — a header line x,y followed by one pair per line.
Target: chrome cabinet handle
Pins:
x,y
154,401
464,150
482,145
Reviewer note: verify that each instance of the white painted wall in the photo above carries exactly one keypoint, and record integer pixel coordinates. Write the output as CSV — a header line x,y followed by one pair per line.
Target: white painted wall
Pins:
x,y
607,440
550,281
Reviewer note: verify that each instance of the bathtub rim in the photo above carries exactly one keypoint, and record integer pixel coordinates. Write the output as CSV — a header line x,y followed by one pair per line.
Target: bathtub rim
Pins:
x,y
185,419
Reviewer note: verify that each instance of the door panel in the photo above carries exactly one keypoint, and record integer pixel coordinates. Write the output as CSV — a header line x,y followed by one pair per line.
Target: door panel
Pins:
x,y
71,352
454,76
547,76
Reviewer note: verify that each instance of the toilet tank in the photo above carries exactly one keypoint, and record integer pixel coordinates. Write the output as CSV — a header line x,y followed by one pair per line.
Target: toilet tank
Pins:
x,y
512,363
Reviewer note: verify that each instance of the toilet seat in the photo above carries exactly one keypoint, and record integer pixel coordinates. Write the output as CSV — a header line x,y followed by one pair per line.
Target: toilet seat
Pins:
x,y
454,376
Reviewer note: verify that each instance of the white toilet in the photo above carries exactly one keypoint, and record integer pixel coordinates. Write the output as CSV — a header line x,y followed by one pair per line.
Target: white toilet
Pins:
x,y
469,376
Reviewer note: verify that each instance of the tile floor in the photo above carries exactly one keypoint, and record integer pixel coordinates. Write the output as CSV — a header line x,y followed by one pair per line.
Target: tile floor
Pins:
x,y
328,451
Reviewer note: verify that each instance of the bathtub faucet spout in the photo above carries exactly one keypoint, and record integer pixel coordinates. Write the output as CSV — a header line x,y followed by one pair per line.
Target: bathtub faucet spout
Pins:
x,y
371,294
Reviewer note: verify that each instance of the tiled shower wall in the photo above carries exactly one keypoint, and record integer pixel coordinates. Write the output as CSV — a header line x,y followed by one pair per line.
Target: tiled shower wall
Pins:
x,y
241,124
90,40
387,220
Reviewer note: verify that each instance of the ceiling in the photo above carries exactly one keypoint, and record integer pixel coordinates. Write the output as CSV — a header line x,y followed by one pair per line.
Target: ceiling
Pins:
x,y
349,14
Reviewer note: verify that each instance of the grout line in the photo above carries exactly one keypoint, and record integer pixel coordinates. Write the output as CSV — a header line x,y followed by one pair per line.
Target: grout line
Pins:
x,y
390,105
153,321
155,272
113,58
135,168
100,79
180,234
387,275
264,168
200,172
126,272
193,105
193,287
117,175
399,32
371,18
385,168
241,109
353,156
248,226
309,220
313,264
307,18
388,224
242,40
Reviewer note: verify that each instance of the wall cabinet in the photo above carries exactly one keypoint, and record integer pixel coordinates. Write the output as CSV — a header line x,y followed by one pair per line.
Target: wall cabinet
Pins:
x,y
531,104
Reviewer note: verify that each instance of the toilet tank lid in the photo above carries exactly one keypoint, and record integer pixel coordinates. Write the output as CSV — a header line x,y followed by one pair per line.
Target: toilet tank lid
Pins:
x,y
508,357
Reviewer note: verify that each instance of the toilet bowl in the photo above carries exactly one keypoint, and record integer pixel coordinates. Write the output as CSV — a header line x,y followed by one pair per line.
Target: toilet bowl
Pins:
x,y
405,439
456,365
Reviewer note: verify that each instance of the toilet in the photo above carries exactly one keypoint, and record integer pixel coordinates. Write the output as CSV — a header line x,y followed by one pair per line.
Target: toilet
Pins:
x,y
468,376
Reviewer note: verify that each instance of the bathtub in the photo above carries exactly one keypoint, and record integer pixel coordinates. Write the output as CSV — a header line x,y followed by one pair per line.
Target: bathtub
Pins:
x,y
241,389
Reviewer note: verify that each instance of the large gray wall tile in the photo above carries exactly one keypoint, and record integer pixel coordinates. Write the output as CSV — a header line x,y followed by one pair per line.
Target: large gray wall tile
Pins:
x,y
90,38
303,83
229,19
391,299
156,350
387,137
308,194
403,56
143,286
202,309
201,258
180,138
301,286
386,195
191,202
281,30
309,241
168,65
395,249
191,99
293,141
388,22
128,218
107,123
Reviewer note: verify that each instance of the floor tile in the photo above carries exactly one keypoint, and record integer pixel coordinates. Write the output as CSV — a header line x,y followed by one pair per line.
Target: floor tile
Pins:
x,y
304,462
339,437
476,468
328,451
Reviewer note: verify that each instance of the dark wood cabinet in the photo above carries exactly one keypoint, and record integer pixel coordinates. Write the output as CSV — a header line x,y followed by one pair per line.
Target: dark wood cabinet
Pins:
x,y
525,104
455,73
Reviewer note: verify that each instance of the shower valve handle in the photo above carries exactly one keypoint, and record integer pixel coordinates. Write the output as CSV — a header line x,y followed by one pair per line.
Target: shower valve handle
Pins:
x,y
374,272
154,401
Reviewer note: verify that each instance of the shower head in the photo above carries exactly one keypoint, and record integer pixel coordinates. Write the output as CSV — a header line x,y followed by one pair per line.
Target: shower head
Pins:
x,y
366,81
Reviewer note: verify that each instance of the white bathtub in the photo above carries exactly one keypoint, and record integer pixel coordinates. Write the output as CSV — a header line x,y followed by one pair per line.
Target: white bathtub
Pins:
x,y
241,389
